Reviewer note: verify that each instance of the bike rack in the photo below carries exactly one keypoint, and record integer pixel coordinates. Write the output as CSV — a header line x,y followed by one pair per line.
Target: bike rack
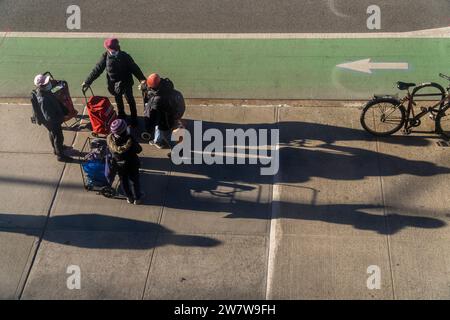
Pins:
x,y
435,85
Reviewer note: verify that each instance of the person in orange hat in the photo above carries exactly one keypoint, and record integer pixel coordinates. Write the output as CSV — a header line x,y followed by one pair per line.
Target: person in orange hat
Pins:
x,y
160,110
120,69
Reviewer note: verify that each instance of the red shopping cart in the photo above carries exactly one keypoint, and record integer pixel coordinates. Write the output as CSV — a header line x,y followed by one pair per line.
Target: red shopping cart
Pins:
x,y
101,113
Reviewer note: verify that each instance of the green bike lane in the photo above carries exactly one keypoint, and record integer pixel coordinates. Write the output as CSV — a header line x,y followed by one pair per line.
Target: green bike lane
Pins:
x,y
234,68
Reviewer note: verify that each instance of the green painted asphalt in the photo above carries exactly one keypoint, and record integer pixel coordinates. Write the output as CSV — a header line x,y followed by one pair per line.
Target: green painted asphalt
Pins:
x,y
240,69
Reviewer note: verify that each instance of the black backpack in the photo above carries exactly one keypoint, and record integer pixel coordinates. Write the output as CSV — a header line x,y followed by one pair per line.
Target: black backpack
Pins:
x,y
177,104
37,117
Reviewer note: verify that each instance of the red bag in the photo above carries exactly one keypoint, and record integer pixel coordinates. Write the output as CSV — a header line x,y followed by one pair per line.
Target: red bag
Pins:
x,y
60,89
101,113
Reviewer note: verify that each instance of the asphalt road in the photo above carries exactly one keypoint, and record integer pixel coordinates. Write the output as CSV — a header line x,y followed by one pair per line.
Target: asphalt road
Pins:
x,y
231,16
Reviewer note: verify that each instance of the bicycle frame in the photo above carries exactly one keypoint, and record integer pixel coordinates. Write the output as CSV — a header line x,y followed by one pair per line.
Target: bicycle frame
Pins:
x,y
413,120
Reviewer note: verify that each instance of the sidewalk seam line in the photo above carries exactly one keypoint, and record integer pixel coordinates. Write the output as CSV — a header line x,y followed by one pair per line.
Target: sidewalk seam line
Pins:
x,y
42,233
272,247
24,273
388,242
161,213
44,229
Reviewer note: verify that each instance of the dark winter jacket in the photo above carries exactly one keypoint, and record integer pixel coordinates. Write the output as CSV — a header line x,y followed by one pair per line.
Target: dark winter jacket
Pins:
x,y
52,111
119,71
158,104
124,152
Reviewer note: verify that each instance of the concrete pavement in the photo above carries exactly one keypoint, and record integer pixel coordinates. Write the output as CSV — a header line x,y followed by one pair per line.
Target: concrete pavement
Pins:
x,y
341,202
347,201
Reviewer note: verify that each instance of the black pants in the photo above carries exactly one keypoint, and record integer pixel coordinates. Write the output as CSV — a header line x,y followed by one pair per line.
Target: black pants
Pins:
x,y
161,119
56,138
129,180
128,93
151,120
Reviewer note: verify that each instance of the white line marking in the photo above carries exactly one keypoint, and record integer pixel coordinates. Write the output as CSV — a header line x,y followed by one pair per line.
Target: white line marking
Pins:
x,y
366,66
274,238
429,33
275,225
261,147
233,155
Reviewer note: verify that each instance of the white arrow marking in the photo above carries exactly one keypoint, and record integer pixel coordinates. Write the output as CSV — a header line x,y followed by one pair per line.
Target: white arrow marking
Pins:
x,y
367,66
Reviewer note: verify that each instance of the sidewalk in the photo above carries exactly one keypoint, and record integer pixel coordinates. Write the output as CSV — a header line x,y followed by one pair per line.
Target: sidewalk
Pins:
x,y
341,202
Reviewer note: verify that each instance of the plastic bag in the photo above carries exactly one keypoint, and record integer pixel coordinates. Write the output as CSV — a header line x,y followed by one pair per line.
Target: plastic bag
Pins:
x,y
95,172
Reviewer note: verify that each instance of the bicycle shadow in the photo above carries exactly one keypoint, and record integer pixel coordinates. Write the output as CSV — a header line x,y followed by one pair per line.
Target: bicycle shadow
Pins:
x,y
313,150
306,151
195,194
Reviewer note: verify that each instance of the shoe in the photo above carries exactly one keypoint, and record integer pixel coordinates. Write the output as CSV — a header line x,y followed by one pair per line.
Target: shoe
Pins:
x,y
139,201
130,201
64,148
159,145
65,159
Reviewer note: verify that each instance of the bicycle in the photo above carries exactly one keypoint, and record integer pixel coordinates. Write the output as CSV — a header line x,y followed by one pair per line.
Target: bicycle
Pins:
x,y
387,111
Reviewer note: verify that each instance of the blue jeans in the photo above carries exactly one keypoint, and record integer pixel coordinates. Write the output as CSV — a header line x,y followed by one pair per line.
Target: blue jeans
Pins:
x,y
163,136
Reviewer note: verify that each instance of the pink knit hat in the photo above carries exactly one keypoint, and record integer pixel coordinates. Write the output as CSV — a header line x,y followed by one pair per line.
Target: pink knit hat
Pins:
x,y
111,44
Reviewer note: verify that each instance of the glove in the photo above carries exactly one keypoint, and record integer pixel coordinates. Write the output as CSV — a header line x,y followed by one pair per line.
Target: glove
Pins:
x,y
142,86
84,87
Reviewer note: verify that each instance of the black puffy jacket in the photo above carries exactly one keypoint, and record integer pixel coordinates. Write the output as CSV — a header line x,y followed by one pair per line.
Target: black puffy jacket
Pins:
x,y
52,111
157,104
119,71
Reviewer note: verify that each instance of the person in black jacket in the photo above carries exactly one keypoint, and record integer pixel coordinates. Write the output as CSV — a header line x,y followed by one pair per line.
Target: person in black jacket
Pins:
x,y
125,150
120,68
159,119
51,114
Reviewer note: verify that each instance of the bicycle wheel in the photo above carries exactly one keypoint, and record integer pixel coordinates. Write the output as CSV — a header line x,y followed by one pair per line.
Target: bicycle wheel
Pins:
x,y
443,123
383,117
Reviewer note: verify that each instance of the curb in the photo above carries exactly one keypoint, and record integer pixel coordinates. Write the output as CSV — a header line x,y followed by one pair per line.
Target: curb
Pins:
x,y
229,102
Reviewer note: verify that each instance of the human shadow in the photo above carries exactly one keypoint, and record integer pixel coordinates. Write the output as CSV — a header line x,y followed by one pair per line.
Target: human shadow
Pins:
x,y
200,194
311,150
357,216
100,231
306,151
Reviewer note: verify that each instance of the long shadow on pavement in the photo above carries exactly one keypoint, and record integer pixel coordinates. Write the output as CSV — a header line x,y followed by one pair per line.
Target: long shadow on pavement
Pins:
x,y
299,162
138,234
